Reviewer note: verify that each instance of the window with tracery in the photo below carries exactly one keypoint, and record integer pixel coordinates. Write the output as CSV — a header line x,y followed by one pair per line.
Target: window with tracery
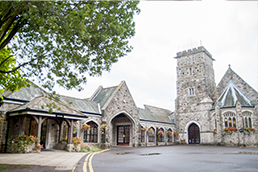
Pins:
x,y
247,120
230,120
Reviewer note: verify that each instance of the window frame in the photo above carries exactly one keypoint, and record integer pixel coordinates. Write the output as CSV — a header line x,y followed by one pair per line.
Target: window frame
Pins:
x,y
91,135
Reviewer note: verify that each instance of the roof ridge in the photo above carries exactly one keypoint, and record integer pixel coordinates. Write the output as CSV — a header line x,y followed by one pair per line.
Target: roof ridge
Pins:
x,y
232,90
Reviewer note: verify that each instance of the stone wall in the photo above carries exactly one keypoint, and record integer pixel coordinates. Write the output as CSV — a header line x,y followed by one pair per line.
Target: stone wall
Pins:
x,y
121,103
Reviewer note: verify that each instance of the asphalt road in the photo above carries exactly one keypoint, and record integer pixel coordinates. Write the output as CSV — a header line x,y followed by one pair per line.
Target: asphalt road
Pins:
x,y
176,158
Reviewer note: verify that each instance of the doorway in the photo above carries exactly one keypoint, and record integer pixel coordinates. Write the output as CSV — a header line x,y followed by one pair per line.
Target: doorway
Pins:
x,y
193,134
123,135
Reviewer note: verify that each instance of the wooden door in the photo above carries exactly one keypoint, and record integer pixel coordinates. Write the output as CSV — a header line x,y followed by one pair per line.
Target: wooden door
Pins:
x,y
123,135
193,134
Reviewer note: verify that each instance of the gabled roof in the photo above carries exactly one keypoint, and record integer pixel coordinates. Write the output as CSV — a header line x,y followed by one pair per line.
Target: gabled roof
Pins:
x,y
47,107
28,93
231,95
103,95
82,105
243,85
155,116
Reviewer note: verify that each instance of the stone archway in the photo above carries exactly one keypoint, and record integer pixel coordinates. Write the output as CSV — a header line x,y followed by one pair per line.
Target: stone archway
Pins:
x,y
122,130
193,134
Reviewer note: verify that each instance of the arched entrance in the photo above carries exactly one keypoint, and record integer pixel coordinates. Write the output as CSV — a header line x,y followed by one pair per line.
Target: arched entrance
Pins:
x,y
193,134
122,130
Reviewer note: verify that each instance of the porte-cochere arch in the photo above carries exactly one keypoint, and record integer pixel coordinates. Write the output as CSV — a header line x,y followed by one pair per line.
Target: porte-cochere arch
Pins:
x,y
122,129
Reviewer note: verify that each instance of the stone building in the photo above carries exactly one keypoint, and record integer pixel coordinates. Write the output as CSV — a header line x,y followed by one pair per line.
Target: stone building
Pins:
x,y
203,112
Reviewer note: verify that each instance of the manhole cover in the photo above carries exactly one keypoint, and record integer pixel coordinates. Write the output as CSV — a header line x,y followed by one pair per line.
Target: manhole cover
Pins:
x,y
148,154
122,153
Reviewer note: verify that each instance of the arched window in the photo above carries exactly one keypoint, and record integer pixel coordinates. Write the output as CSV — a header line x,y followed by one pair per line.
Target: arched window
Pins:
x,y
151,134
247,120
91,135
143,131
230,120
170,135
161,135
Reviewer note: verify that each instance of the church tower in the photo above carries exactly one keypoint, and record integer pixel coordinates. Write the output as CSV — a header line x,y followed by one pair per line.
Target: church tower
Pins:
x,y
195,89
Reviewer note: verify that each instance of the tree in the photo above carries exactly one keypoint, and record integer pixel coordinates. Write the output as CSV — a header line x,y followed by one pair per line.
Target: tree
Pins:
x,y
64,40
14,80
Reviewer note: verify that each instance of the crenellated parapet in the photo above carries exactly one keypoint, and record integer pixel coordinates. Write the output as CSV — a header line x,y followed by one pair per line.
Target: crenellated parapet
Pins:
x,y
193,51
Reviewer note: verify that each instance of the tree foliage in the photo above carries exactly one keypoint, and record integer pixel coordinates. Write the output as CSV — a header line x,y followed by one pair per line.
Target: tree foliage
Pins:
x,y
14,80
64,40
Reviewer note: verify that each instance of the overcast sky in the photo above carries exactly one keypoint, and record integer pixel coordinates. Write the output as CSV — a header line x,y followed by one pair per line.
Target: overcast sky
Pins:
x,y
228,30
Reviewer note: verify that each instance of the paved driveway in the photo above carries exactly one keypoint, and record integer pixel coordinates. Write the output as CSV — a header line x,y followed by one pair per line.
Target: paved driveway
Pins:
x,y
176,158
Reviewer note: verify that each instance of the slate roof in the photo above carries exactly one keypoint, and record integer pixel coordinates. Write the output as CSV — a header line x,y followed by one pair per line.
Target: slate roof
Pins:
x,y
82,105
42,104
28,93
231,95
103,95
155,116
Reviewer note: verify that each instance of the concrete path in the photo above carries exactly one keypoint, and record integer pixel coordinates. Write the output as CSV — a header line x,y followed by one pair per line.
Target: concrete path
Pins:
x,y
62,160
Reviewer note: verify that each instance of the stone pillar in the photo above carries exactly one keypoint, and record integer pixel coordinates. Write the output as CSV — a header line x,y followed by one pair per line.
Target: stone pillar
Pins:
x,y
70,135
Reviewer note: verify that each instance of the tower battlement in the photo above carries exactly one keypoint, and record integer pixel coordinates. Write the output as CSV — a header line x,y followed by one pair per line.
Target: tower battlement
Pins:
x,y
193,51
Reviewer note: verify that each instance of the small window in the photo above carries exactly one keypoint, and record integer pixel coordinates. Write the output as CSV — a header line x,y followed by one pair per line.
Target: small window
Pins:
x,y
191,91
190,69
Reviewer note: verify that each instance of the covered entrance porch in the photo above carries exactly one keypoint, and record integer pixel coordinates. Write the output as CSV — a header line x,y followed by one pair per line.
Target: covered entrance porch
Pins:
x,y
122,130
48,126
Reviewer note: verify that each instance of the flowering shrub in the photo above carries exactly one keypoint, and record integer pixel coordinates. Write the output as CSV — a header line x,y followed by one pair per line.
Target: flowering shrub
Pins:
x,y
249,130
86,127
215,130
183,141
150,131
75,128
176,133
170,133
103,128
63,140
143,129
38,147
22,141
76,141
229,130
